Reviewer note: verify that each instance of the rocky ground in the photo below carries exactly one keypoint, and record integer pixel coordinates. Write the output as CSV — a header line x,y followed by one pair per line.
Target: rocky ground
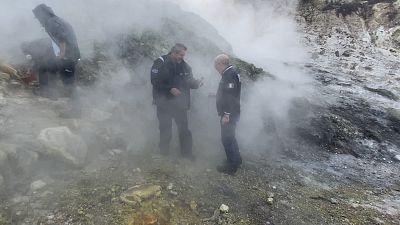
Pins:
x,y
339,164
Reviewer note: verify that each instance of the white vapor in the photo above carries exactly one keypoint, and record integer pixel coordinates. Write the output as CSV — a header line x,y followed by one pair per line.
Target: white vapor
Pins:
x,y
263,32
260,32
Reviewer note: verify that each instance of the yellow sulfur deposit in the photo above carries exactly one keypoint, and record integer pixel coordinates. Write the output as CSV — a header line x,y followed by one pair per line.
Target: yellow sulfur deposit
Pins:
x,y
7,69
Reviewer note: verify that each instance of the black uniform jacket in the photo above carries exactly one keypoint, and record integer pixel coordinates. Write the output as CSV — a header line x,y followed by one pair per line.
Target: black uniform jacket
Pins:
x,y
228,94
166,75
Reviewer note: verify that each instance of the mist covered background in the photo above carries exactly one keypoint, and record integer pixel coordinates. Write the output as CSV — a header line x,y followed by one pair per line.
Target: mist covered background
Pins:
x,y
120,103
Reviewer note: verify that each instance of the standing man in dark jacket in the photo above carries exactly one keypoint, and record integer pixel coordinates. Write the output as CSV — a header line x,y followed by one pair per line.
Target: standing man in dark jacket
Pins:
x,y
172,80
64,43
228,107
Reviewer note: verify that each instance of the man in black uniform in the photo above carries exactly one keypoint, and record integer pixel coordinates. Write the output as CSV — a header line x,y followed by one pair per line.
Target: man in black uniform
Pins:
x,y
172,80
228,107
64,43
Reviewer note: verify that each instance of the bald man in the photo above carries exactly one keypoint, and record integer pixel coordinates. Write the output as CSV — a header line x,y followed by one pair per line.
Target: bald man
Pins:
x,y
228,108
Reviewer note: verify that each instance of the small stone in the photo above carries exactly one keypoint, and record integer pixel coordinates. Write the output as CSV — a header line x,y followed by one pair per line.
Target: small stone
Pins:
x,y
347,53
137,170
224,208
39,184
333,200
174,193
337,53
270,200
342,83
50,217
379,221
396,158
170,186
193,205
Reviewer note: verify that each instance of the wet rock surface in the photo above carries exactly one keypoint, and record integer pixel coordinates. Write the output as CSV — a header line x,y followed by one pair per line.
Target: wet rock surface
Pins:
x,y
357,77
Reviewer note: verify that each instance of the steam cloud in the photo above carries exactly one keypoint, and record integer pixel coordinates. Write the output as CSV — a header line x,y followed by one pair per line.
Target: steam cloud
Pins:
x,y
266,34
261,32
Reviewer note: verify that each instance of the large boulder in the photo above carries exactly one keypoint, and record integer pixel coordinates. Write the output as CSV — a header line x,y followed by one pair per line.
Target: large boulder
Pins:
x,y
61,143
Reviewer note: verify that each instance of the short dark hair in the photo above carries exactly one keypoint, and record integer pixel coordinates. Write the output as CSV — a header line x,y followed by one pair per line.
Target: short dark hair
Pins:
x,y
178,47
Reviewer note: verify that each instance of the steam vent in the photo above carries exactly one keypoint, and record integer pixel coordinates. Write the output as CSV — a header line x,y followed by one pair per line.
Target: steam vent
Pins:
x,y
200,112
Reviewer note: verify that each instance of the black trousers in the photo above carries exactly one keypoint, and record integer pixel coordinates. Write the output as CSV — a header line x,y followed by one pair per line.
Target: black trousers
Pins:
x,y
48,72
67,72
165,115
228,132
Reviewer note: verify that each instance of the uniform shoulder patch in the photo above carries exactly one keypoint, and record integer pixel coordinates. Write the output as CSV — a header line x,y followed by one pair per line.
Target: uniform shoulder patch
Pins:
x,y
155,70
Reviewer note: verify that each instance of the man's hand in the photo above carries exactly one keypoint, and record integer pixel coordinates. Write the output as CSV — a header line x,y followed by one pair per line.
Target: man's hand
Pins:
x,y
225,119
201,81
175,92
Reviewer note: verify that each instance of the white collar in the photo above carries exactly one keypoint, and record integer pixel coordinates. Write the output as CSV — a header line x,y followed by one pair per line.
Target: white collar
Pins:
x,y
227,69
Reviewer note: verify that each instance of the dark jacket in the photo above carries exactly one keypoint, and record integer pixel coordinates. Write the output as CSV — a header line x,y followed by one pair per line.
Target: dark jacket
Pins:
x,y
228,94
41,51
59,30
166,75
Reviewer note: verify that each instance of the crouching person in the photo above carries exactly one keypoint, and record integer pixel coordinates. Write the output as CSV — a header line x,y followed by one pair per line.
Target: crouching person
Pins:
x,y
64,43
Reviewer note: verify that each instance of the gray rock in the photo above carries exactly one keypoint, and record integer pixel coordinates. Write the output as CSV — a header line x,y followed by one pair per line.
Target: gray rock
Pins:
x,y
224,208
394,115
39,184
61,143
383,92
137,194
347,53
396,158
396,37
333,201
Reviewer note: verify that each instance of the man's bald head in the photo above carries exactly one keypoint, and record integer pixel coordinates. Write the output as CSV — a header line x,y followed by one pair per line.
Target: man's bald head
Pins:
x,y
221,62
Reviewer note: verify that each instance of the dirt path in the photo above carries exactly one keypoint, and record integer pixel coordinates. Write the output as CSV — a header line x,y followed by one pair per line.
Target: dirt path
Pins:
x,y
334,190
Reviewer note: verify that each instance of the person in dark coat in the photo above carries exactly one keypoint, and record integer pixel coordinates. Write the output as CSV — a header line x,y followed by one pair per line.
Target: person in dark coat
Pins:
x,y
172,80
228,108
64,43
